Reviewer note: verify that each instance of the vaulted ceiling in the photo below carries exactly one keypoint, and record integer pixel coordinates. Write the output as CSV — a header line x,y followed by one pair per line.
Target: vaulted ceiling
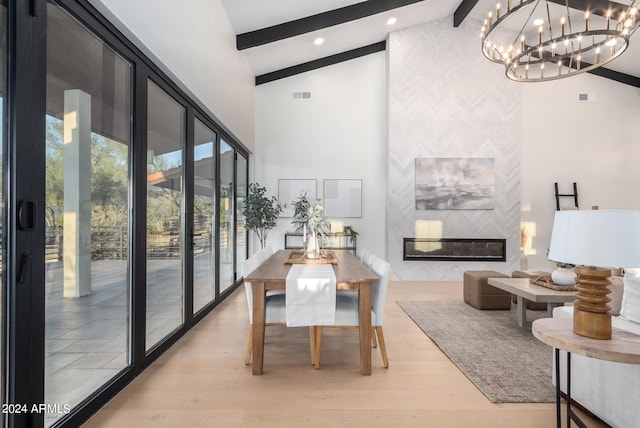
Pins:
x,y
277,36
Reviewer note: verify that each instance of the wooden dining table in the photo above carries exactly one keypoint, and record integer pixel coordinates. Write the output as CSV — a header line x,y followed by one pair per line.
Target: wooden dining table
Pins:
x,y
351,274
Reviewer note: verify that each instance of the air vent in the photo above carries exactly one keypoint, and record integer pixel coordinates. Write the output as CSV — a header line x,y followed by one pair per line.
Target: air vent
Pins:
x,y
587,97
302,95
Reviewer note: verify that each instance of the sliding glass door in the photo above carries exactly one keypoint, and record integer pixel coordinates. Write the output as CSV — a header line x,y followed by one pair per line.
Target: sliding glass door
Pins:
x,y
203,230
86,216
120,222
226,217
165,246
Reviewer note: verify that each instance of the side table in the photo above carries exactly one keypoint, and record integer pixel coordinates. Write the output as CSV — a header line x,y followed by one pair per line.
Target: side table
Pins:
x,y
623,347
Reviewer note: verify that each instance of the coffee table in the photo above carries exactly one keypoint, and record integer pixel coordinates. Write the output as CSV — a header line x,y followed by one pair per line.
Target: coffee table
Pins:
x,y
525,290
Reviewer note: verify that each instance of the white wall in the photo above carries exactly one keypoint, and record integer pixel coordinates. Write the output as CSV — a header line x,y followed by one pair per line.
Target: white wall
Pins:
x,y
195,41
596,145
340,133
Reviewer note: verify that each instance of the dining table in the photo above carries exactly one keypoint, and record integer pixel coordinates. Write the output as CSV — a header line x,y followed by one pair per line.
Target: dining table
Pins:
x,y
350,273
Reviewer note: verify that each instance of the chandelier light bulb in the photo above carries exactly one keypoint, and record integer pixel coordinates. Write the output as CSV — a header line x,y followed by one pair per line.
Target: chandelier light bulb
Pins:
x,y
586,21
540,31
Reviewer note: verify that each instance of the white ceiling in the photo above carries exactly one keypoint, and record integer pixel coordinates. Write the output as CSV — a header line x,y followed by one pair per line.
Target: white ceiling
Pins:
x,y
250,15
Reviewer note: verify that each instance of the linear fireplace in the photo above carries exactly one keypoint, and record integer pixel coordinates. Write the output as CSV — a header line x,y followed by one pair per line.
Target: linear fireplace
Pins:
x,y
451,249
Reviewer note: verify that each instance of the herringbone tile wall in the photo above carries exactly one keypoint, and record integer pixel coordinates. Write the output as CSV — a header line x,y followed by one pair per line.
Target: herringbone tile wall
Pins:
x,y
446,100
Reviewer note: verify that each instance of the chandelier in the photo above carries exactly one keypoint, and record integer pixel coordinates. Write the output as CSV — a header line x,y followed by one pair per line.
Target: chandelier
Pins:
x,y
554,41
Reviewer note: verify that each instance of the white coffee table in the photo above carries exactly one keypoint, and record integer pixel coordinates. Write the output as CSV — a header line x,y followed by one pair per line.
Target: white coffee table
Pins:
x,y
525,290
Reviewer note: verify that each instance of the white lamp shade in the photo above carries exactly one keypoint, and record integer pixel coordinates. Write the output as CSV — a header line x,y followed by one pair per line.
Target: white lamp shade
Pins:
x,y
602,238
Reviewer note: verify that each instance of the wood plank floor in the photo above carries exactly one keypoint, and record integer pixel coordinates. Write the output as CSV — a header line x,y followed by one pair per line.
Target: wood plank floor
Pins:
x,y
202,381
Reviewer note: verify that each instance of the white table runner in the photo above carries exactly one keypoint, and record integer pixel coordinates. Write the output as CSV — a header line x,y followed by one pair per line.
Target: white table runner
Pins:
x,y
311,295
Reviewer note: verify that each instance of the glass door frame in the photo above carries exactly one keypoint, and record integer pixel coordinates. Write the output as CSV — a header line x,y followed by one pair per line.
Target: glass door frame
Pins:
x,y
23,228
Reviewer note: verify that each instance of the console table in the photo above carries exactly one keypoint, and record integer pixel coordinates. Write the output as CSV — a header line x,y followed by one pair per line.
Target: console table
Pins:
x,y
335,241
623,347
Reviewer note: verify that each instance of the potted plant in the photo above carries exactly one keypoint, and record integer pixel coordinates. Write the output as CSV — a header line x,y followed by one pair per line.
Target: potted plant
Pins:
x,y
260,212
312,220
348,230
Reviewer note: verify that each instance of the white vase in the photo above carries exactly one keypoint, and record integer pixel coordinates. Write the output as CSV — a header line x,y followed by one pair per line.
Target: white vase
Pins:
x,y
563,276
311,250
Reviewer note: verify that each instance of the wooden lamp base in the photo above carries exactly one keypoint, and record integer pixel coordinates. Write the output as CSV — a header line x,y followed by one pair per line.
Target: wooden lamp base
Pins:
x,y
592,314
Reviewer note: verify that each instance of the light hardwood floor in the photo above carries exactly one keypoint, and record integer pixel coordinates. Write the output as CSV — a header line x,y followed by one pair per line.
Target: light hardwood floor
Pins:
x,y
202,381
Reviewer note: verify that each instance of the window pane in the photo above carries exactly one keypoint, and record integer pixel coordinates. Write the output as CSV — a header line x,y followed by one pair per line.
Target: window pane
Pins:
x,y
87,181
241,194
165,141
203,209
227,222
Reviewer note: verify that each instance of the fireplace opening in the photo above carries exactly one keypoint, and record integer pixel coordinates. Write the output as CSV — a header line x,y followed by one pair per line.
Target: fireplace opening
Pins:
x,y
452,249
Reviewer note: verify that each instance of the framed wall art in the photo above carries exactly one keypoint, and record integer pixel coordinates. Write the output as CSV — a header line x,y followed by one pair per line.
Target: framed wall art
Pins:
x,y
455,183
343,198
290,190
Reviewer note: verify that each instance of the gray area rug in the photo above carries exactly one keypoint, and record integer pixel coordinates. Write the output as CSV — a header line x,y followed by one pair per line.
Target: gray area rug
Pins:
x,y
507,363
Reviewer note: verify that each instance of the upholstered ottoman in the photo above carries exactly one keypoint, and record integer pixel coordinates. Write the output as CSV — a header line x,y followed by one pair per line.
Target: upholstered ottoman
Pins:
x,y
481,295
532,306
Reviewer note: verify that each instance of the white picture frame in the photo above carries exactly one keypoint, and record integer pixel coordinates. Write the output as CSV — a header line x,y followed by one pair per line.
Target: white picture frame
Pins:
x,y
343,198
290,189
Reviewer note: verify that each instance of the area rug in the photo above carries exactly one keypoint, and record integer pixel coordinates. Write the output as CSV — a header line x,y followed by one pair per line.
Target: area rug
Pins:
x,y
506,362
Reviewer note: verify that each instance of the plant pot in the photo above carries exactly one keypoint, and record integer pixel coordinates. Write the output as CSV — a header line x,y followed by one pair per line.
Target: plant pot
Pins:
x,y
563,276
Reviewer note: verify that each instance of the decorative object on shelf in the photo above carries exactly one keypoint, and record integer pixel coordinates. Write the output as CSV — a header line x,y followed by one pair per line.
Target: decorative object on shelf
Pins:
x,y
593,238
260,212
313,222
350,231
553,42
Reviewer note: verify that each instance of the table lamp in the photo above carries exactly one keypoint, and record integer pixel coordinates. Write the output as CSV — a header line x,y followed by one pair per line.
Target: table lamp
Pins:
x,y
595,241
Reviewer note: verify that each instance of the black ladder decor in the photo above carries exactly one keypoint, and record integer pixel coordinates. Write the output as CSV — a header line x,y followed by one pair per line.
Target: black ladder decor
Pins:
x,y
573,195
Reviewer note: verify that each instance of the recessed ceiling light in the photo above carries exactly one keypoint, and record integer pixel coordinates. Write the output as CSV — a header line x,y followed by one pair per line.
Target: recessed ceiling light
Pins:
x,y
538,22
391,21
318,41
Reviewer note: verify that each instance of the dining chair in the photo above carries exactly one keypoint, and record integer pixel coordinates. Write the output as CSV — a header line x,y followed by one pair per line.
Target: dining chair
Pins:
x,y
361,253
274,305
367,258
347,311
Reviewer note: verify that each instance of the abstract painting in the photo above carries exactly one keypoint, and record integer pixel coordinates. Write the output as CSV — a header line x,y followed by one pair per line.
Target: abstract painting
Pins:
x,y
455,183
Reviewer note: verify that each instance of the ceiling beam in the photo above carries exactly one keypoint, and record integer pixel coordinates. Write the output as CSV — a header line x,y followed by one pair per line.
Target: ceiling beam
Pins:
x,y
321,62
462,11
607,73
317,22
